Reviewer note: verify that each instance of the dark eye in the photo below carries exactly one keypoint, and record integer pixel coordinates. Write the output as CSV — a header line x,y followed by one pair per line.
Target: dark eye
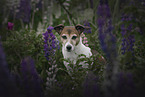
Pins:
x,y
64,37
74,37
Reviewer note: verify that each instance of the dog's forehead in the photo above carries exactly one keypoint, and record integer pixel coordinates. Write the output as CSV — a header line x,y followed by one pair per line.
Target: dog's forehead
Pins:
x,y
69,30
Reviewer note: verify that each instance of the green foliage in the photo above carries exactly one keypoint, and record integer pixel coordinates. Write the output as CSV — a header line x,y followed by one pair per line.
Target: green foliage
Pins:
x,y
24,41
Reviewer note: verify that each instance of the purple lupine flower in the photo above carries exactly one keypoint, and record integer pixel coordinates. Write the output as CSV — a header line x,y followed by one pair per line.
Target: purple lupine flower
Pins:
x,y
125,85
107,11
104,10
108,45
90,86
105,28
39,5
126,17
10,26
86,23
7,85
24,11
31,82
50,43
128,39
91,4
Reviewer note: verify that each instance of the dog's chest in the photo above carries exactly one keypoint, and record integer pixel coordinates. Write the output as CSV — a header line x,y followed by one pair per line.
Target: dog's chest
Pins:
x,y
73,56
70,55
80,49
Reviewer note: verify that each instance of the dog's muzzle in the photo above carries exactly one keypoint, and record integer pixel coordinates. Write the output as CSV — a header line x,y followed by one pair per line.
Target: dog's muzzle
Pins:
x,y
69,48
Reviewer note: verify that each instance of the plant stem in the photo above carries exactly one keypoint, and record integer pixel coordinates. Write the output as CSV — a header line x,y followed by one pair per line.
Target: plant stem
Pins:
x,y
116,10
33,17
70,15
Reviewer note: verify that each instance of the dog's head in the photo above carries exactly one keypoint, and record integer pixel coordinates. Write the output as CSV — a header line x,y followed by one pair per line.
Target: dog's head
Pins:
x,y
70,35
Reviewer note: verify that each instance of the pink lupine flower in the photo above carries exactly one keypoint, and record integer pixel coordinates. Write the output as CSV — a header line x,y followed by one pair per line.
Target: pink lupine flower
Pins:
x,y
86,44
85,38
10,25
83,35
86,41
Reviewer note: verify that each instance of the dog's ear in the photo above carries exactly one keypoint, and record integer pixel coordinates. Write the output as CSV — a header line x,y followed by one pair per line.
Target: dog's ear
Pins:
x,y
59,28
81,28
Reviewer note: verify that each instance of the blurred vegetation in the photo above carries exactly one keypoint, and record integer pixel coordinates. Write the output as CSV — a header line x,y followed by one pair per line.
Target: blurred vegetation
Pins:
x,y
26,39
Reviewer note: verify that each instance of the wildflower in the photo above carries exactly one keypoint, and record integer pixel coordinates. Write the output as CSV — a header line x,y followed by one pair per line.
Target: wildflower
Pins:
x,y
39,5
126,17
51,76
84,42
108,45
30,79
104,10
10,26
50,43
90,86
105,28
125,85
24,11
128,39
91,4
84,39
7,85
86,23
87,44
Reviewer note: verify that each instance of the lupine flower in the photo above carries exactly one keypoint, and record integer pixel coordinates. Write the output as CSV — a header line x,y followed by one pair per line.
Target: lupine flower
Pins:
x,y
31,82
51,79
126,17
108,45
84,40
10,26
125,85
86,23
50,43
50,46
24,11
91,3
103,9
7,85
90,86
105,28
39,5
128,39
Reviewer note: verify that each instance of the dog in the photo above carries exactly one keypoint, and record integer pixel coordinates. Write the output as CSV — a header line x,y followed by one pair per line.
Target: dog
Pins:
x,y
72,45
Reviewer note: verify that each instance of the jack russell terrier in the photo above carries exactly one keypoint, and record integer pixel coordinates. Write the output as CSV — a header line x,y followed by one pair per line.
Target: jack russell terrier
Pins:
x,y
72,45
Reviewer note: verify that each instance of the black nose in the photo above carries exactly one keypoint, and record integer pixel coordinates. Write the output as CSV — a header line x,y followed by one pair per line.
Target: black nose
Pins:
x,y
68,47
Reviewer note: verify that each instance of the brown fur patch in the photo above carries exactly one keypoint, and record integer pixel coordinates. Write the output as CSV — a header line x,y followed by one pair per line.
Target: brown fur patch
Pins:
x,y
70,30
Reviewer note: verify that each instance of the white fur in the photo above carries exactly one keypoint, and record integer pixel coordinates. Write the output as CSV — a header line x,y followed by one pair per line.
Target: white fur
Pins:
x,y
73,55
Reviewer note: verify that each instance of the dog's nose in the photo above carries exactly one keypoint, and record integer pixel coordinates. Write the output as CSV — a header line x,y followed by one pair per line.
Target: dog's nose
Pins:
x,y
68,47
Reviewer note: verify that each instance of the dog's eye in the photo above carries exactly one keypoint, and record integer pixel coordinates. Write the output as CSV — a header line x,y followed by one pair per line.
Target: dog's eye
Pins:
x,y
74,37
64,37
